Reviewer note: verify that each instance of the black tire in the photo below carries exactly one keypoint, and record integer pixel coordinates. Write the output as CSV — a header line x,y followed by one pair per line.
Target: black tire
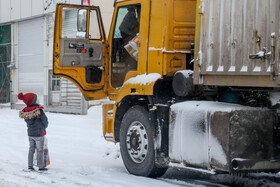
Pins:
x,y
142,166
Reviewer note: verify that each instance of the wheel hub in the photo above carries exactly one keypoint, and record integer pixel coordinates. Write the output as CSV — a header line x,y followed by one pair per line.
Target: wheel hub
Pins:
x,y
137,142
134,140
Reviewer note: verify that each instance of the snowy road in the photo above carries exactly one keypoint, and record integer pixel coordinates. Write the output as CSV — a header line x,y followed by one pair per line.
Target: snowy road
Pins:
x,y
81,157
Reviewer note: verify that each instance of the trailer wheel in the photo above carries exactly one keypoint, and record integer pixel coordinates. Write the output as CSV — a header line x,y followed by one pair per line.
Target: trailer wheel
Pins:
x,y
137,144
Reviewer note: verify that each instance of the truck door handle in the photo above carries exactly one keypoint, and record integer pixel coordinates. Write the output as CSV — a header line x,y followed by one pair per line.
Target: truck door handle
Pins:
x,y
260,55
90,51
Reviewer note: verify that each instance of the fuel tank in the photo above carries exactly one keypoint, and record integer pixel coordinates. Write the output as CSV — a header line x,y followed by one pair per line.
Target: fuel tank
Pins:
x,y
223,137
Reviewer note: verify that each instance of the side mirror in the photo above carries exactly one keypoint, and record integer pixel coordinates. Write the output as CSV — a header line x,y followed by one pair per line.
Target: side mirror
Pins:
x,y
82,20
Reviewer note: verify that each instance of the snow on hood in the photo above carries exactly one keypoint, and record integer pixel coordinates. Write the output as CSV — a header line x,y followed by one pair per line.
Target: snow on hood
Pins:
x,y
143,79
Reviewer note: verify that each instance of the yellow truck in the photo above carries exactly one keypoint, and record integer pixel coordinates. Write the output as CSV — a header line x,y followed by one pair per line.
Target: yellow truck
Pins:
x,y
192,80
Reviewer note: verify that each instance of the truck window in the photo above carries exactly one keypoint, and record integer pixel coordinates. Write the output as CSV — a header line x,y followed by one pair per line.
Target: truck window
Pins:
x,y
94,30
125,43
70,19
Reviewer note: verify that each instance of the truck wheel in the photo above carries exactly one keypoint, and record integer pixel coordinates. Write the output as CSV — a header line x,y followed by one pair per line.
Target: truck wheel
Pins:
x,y
137,144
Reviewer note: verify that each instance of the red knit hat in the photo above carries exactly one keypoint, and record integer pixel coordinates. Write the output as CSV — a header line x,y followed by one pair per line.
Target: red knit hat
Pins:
x,y
28,99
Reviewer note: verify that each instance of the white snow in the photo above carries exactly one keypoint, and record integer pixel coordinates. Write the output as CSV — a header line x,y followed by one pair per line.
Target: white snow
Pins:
x,y
175,51
185,137
268,69
109,136
190,138
257,69
143,79
232,69
217,151
261,53
208,106
220,68
186,73
244,69
209,68
274,98
201,6
79,154
182,166
155,49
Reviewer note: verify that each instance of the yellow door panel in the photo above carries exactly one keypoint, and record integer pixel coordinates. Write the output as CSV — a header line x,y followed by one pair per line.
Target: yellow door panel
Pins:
x,y
79,51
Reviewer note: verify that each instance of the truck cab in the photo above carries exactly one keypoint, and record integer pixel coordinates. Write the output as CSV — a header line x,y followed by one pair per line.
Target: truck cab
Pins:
x,y
137,44
143,51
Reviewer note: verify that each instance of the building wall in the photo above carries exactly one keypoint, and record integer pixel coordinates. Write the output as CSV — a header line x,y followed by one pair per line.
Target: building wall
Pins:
x,y
32,39
107,9
31,55
28,54
14,10
19,13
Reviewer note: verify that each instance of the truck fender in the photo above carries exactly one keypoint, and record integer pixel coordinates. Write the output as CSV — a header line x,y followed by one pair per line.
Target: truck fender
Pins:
x,y
139,85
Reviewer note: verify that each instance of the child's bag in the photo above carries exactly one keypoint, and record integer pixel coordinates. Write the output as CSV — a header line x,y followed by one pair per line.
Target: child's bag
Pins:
x,y
45,153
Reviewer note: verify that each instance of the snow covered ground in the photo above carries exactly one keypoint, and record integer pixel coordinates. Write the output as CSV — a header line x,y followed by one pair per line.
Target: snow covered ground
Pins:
x,y
78,152
81,157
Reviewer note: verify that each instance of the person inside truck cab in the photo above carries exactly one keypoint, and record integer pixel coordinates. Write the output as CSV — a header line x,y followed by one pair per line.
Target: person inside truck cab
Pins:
x,y
129,28
130,24
124,58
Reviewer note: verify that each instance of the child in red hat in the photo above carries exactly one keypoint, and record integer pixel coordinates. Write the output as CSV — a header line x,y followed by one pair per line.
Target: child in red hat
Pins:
x,y
37,122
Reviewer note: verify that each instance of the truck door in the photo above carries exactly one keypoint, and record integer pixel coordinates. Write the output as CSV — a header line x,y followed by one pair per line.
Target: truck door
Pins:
x,y
78,52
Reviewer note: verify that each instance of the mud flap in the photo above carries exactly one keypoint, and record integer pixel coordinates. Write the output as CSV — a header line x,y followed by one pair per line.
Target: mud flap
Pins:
x,y
159,116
